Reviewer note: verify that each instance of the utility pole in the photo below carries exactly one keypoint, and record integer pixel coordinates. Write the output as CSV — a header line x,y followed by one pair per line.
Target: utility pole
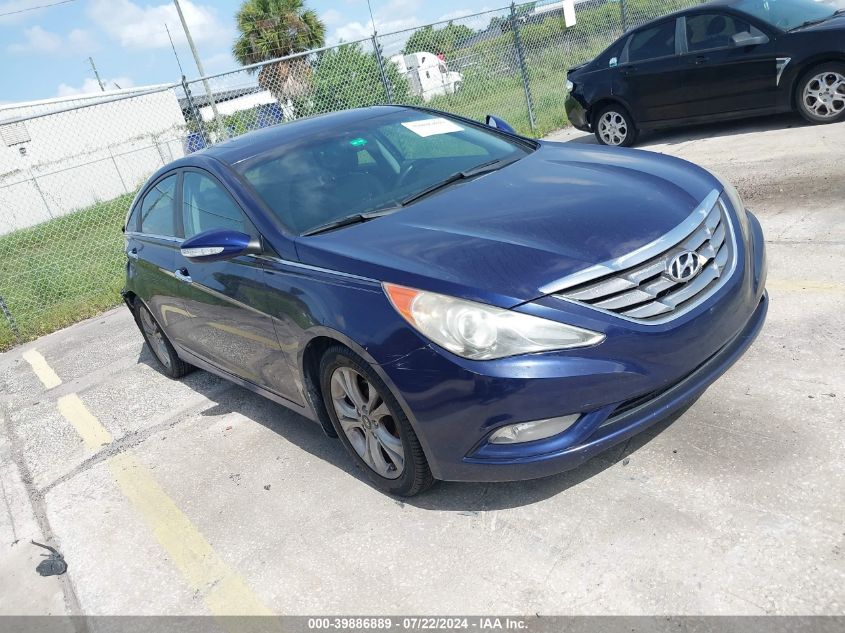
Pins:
x,y
96,74
199,68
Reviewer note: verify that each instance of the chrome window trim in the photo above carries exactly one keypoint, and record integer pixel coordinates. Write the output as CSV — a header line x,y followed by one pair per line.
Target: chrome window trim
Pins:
x,y
699,299
652,249
166,238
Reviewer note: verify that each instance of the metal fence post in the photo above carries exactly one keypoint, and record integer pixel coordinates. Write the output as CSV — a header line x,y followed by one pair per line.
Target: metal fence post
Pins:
x,y
623,14
523,68
195,113
388,89
41,193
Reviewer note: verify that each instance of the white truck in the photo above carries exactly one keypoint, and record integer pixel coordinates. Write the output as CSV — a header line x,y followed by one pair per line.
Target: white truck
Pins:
x,y
427,74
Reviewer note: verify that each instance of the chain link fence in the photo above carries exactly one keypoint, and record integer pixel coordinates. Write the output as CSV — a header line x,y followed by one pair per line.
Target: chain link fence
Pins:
x,y
69,168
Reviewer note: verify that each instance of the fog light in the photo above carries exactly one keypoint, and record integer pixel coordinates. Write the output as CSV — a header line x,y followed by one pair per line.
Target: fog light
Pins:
x,y
534,430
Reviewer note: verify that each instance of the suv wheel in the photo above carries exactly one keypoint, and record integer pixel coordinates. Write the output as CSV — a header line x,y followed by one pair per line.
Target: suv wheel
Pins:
x,y
372,425
169,362
821,93
615,127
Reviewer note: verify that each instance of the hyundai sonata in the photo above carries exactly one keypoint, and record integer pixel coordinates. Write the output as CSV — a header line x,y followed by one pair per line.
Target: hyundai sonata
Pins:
x,y
452,300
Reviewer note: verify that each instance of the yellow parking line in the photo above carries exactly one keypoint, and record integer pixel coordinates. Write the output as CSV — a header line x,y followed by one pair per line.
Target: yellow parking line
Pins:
x,y
224,591
793,285
87,426
39,365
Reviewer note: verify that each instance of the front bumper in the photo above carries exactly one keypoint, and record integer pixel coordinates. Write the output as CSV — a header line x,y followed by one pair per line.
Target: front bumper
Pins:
x,y
641,375
576,112
614,424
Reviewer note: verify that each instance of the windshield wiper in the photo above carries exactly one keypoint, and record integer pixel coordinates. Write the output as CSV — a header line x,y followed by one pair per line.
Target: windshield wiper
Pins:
x,y
816,21
355,218
483,168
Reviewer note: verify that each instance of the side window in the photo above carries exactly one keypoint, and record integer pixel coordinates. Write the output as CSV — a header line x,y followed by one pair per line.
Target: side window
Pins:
x,y
715,30
158,209
207,205
654,42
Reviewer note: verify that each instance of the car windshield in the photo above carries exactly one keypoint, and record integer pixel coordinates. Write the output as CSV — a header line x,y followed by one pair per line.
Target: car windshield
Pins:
x,y
787,14
373,166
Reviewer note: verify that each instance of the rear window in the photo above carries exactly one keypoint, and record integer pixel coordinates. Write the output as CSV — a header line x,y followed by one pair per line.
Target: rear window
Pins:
x,y
652,43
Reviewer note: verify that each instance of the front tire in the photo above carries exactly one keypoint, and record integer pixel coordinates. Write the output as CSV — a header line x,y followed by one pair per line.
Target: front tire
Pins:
x,y
820,93
371,424
169,362
615,127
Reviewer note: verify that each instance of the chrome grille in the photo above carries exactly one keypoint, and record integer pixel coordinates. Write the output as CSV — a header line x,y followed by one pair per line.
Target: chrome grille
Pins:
x,y
645,291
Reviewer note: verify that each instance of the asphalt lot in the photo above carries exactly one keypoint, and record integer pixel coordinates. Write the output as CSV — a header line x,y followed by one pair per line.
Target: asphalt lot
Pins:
x,y
198,497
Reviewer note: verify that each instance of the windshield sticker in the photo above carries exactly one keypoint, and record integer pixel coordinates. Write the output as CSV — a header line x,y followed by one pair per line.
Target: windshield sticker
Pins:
x,y
358,142
432,127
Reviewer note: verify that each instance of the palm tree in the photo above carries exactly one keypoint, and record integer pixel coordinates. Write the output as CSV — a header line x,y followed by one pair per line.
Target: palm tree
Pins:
x,y
276,28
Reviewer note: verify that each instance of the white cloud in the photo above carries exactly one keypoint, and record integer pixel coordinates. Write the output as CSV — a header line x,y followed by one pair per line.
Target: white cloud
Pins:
x,y
82,41
135,26
36,40
331,17
40,41
90,86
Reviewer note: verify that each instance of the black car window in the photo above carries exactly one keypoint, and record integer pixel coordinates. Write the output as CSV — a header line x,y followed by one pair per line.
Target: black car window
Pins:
x,y
158,209
651,43
206,205
715,30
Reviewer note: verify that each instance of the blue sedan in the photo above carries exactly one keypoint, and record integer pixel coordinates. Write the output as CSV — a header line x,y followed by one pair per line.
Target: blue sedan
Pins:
x,y
451,300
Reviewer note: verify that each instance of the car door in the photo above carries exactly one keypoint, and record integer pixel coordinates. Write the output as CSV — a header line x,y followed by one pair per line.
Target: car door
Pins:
x,y
223,326
151,245
650,72
720,76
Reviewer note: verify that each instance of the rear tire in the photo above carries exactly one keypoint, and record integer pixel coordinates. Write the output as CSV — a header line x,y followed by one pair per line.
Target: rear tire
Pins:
x,y
371,424
168,361
615,127
820,93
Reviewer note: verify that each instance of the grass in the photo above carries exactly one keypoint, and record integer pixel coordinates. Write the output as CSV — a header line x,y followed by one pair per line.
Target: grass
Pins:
x,y
61,271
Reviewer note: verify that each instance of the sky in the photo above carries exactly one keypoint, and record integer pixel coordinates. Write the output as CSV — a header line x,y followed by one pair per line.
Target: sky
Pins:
x,y
44,52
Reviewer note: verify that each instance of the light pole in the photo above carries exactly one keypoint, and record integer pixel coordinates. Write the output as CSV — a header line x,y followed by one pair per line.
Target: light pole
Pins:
x,y
200,69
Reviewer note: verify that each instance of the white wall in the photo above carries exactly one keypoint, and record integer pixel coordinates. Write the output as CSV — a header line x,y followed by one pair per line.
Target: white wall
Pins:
x,y
78,157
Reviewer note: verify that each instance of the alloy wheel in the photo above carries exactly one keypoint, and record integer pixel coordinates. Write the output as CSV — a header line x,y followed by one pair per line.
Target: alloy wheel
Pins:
x,y
824,95
367,422
613,128
155,337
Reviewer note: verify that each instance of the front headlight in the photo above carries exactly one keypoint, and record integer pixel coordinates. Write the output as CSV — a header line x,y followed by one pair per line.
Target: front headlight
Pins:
x,y
481,332
569,86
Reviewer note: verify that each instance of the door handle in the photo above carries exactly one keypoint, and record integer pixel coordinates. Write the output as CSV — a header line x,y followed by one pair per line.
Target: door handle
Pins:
x,y
629,70
182,275
133,254
701,59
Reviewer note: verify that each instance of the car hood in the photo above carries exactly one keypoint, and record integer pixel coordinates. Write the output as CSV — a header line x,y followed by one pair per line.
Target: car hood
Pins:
x,y
501,237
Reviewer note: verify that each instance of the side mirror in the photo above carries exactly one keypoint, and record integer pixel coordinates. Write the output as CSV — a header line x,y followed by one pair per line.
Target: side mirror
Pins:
x,y
499,124
219,244
746,39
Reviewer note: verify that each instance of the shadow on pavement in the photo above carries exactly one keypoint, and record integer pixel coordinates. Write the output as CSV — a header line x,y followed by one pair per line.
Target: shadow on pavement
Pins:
x,y
444,496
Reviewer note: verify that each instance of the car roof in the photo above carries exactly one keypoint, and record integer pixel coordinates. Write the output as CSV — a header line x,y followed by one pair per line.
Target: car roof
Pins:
x,y
258,142
695,8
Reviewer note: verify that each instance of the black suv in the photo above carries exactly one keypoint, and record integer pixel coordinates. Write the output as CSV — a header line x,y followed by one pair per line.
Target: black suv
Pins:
x,y
721,60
